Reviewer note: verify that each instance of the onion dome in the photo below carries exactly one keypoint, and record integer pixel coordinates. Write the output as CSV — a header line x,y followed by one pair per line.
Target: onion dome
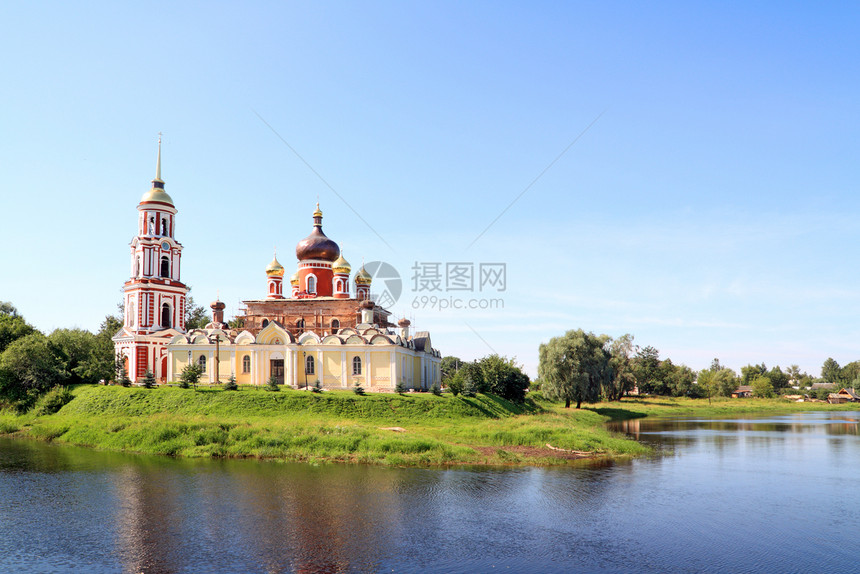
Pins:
x,y
157,193
218,305
367,304
275,269
341,265
294,280
363,277
317,245
404,323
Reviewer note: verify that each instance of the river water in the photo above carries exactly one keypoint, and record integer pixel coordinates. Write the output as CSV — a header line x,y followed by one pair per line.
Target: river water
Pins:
x,y
765,494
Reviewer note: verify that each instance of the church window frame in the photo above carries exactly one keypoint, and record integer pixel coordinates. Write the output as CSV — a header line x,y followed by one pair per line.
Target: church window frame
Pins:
x,y
265,323
246,364
201,362
166,315
165,267
311,283
335,326
356,366
309,365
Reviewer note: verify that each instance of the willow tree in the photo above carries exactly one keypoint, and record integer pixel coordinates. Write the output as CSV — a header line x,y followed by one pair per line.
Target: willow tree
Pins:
x,y
574,367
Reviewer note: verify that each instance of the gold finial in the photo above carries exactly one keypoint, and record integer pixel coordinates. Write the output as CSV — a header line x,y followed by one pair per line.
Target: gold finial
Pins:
x,y
158,162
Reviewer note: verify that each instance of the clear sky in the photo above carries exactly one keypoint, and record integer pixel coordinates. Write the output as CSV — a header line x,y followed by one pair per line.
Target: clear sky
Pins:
x,y
708,204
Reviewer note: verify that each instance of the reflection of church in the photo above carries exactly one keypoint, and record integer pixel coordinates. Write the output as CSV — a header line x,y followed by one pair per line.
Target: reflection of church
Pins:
x,y
320,332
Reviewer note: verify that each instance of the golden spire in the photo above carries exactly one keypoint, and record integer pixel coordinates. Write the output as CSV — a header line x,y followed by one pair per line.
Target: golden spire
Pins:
x,y
158,163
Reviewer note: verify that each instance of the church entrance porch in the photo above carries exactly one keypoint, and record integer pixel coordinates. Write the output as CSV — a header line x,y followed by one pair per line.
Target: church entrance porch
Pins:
x,y
277,369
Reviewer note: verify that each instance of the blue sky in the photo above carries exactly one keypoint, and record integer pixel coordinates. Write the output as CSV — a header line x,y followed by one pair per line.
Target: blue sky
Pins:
x,y
710,208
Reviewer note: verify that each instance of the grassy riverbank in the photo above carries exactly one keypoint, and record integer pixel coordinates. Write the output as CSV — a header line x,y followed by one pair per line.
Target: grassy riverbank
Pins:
x,y
415,429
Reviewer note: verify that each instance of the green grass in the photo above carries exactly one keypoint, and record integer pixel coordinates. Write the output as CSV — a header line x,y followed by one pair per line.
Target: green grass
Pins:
x,y
343,427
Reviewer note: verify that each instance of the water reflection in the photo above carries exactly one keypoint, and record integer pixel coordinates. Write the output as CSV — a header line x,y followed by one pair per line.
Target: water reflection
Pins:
x,y
741,494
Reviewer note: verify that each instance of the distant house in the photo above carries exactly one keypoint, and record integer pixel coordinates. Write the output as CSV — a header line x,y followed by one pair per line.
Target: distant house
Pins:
x,y
843,396
822,386
742,392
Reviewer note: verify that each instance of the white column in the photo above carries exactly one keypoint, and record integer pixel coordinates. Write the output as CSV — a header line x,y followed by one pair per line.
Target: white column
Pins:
x,y
343,376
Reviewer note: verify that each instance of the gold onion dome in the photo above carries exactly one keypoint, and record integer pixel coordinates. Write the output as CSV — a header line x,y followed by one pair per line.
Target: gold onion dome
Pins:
x,y
341,265
317,245
363,277
275,269
157,195
294,280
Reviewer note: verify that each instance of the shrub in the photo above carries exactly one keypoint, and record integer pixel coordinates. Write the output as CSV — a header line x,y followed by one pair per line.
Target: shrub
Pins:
x,y
436,389
272,384
455,383
470,389
231,385
317,387
358,389
123,379
53,401
148,380
190,376
400,388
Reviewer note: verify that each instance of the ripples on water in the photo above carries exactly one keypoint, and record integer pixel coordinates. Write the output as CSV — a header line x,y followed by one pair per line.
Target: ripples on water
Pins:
x,y
737,495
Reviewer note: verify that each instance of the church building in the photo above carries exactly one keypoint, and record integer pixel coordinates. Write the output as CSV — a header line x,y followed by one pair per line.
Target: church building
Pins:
x,y
326,328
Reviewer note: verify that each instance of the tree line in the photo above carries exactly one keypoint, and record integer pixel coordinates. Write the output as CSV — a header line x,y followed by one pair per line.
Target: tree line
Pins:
x,y
32,363
583,367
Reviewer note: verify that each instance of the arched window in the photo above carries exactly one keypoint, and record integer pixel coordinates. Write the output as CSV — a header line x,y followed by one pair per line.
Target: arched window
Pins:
x,y
137,266
246,364
164,226
265,323
201,362
356,365
312,284
272,287
132,318
165,267
335,326
300,324
165,315
309,365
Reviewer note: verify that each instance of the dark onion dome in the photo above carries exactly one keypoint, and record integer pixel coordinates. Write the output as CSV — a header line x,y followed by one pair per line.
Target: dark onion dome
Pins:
x,y
367,304
317,245
404,322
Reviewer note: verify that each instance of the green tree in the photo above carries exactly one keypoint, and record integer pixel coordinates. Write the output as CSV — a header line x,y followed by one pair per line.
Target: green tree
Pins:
x,y
850,372
455,383
231,385
622,379
831,372
646,369
750,372
720,382
12,325
190,376
502,377
574,367
762,387
196,316
449,366
400,388
29,367
148,380
680,379
778,379
272,384
75,349
358,389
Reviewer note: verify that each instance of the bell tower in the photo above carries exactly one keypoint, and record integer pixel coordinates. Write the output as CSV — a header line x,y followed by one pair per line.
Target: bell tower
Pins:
x,y
154,295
